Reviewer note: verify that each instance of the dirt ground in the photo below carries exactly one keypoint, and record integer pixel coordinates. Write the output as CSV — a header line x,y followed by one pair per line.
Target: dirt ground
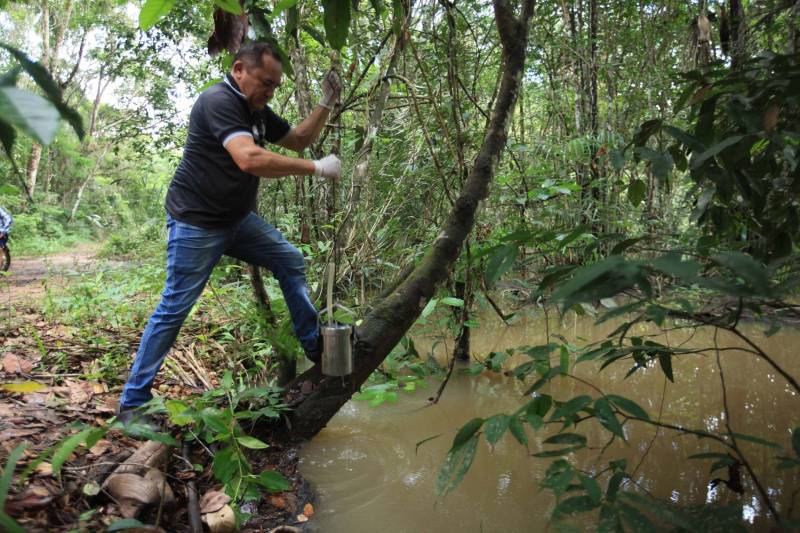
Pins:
x,y
28,277
42,404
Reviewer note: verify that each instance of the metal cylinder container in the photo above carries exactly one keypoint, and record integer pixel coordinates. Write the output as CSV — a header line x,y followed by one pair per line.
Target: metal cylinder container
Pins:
x,y
337,353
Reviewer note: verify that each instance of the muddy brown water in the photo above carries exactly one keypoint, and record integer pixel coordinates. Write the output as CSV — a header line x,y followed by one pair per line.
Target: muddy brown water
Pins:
x,y
370,476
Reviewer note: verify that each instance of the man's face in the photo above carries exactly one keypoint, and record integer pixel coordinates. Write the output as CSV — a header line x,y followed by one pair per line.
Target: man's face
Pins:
x,y
258,83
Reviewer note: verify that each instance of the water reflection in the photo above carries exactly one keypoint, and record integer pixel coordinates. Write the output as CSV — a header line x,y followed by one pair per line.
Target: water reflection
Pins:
x,y
372,477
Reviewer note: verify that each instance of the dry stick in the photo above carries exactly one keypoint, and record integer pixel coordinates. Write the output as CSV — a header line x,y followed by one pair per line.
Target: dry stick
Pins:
x,y
191,495
734,444
444,383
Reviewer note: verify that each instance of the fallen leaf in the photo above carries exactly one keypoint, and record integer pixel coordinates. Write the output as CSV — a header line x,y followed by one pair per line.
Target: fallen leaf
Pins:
x,y
33,499
6,411
277,501
302,518
213,501
14,364
24,387
13,433
44,469
99,388
308,510
100,447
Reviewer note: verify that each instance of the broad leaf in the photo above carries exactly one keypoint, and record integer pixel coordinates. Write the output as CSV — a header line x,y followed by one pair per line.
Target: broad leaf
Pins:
x,y
252,443
698,161
455,466
467,431
796,441
337,22
571,407
575,439
636,191
574,505
629,406
518,430
231,6
495,427
30,113
607,417
273,481
153,11
500,261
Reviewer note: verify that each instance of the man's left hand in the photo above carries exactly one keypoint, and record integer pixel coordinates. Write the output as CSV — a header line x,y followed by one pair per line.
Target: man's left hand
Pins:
x,y
331,88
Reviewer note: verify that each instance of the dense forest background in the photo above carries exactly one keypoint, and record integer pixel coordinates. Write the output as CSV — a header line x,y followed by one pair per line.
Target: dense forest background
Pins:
x,y
650,154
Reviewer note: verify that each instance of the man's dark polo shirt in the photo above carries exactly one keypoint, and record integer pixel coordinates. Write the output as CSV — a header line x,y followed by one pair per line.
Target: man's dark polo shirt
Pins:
x,y
208,188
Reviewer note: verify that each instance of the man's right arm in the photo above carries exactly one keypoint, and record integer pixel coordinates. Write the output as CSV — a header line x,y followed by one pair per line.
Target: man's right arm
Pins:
x,y
261,162
253,159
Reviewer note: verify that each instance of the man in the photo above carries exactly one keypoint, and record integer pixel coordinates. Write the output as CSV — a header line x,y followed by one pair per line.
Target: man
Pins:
x,y
210,204
6,221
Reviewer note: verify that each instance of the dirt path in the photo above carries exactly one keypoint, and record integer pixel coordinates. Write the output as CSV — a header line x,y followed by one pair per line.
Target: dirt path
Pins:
x,y
28,278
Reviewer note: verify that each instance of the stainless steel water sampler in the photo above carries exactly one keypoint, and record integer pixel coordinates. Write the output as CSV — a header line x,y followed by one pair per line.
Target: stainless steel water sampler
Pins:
x,y
337,347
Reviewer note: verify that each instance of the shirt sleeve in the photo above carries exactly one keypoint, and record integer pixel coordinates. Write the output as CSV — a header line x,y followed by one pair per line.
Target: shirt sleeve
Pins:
x,y
275,126
225,116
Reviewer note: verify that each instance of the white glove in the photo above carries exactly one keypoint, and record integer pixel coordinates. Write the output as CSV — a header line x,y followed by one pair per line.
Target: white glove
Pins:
x,y
331,87
329,166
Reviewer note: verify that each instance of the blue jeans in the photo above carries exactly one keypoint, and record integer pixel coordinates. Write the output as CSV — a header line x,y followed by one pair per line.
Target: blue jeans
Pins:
x,y
192,253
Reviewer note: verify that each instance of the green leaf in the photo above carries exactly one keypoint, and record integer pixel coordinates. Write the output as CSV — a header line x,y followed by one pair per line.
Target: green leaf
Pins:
x,y
636,191
629,406
567,409
281,6
337,22
50,87
518,430
646,130
617,159
592,488
8,524
709,455
495,427
665,360
634,518
567,438
312,31
252,443
452,302
574,505
499,262
273,481
30,113
231,6
755,440
540,405
467,431
607,417
153,11
456,464
7,136
67,447
796,441
685,138
125,523
698,161
747,268
8,472
429,307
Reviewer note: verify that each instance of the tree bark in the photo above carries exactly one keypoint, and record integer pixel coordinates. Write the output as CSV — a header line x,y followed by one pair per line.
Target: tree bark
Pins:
x,y
390,320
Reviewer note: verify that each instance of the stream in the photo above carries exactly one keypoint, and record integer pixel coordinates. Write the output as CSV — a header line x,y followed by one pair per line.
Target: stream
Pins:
x,y
370,475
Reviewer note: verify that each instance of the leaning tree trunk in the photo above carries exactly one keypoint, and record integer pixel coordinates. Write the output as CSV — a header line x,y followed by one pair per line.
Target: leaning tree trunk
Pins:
x,y
390,320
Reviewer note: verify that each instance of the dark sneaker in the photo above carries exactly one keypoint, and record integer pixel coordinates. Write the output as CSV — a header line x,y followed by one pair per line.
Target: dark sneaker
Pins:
x,y
133,418
315,353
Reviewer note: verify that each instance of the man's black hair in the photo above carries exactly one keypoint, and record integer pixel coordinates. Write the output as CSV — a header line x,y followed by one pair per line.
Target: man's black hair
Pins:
x,y
252,53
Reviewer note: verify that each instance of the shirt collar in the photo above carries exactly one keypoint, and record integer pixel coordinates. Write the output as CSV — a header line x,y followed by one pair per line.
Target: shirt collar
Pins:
x,y
234,86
